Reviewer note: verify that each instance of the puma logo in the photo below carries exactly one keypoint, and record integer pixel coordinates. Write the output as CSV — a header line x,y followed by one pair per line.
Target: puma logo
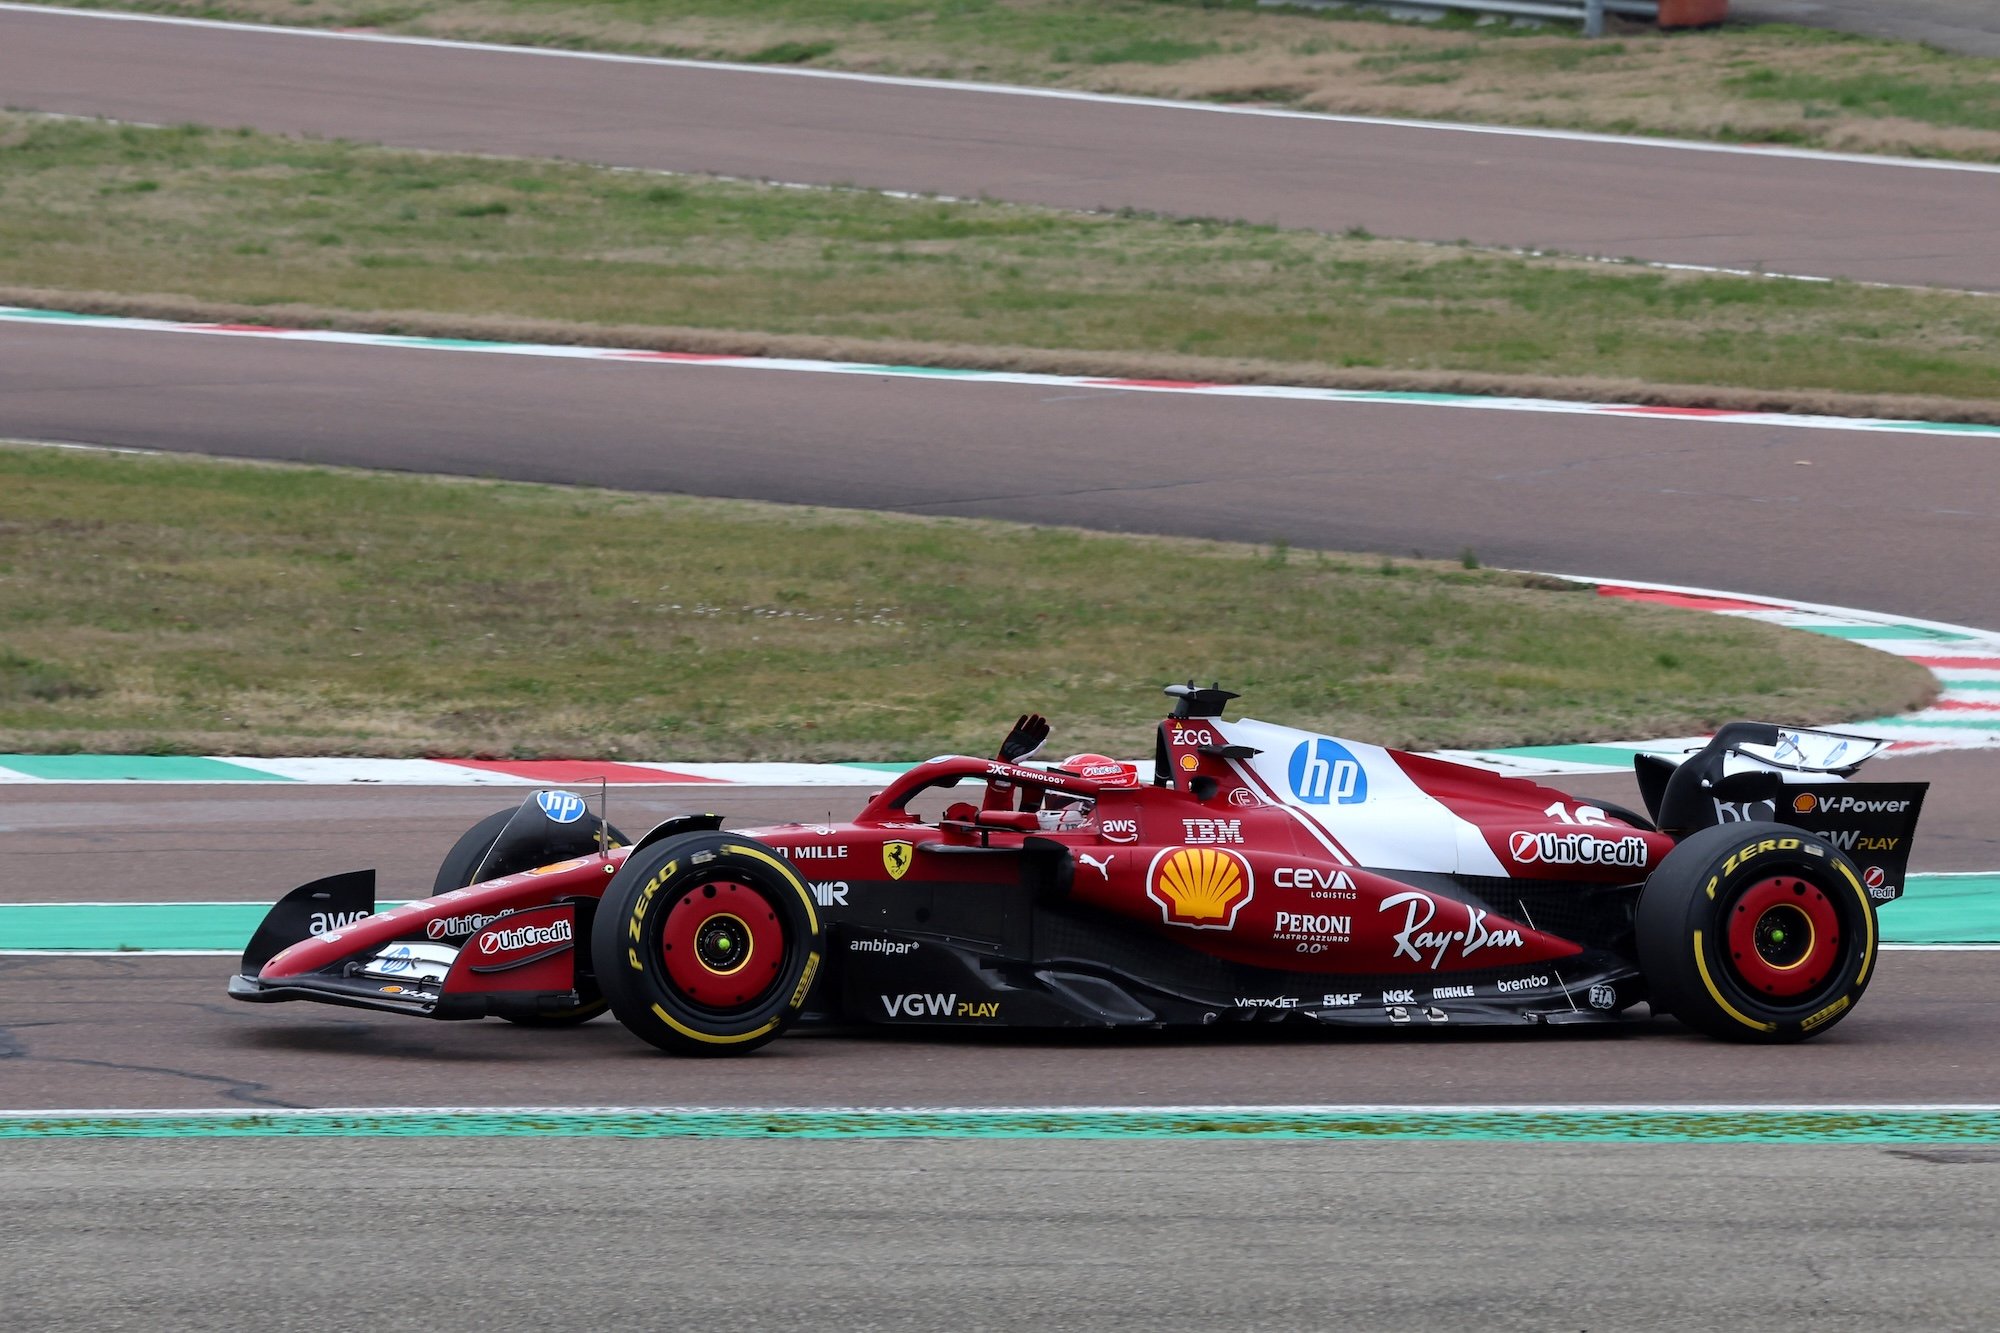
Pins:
x,y
1101,867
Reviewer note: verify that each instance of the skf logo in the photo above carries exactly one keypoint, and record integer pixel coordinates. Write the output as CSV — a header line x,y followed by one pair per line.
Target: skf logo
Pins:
x,y
1804,803
1200,887
562,807
896,858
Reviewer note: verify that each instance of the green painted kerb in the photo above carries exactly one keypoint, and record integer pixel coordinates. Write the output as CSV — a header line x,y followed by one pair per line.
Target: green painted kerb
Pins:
x,y
132,768
1541,1126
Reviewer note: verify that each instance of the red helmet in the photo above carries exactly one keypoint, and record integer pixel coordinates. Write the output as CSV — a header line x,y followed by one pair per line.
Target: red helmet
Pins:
x,y
1099,768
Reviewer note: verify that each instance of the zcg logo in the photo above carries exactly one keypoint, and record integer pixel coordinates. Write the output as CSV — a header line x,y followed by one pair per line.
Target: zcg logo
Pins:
x,y
1324,772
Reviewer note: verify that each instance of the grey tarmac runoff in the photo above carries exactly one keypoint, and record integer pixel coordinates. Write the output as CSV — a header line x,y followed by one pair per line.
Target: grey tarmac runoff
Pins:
x,y
489,1234
1786,212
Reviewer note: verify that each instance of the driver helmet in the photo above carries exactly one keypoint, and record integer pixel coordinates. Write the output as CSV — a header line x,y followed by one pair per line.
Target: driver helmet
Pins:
x,y
1102,769
1073,811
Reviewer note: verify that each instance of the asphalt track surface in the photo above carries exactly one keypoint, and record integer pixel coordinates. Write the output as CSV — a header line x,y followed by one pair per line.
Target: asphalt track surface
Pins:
x,y
1873,221
1708,504
662,1234
478,1235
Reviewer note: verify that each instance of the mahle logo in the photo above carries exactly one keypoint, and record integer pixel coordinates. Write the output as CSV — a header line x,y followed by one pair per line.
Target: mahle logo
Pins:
x,y
1323,772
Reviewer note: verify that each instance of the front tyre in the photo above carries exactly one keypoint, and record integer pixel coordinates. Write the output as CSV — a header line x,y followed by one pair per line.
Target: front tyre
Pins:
x,y
1756,932
706,944
461,868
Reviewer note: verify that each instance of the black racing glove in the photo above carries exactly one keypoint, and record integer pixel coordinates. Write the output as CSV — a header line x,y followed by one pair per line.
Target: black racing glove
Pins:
x,y
1027,737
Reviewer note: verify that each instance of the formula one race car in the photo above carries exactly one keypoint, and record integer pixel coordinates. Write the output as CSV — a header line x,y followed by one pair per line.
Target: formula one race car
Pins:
x,y
1263,874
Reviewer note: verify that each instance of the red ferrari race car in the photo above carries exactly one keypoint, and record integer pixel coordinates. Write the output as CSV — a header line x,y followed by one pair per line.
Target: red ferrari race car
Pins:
x,y
1263,873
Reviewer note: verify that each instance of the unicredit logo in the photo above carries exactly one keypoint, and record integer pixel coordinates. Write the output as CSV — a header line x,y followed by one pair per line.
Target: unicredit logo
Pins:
x,y
523,937
1576,849
445,926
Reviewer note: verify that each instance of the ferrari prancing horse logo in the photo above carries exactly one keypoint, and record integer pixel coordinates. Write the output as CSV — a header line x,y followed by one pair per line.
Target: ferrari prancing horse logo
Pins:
x,y
896,858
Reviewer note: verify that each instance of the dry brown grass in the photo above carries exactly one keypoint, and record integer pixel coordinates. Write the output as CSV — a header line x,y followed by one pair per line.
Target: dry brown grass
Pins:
x,y
160,604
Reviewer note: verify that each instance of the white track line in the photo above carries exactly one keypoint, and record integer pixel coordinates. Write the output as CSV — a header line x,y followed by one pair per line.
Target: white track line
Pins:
x,y
1015,90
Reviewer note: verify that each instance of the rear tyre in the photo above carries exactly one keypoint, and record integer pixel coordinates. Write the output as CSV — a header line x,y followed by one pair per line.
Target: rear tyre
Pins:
x,y
460,868
1756,932
706,944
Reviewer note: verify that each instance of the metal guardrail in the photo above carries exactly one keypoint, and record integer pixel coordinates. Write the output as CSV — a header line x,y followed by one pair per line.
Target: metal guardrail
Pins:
x,y
1589,12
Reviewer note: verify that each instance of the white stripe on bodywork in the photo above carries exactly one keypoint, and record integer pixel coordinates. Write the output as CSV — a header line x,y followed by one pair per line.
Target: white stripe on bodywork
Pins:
x,y
1397,826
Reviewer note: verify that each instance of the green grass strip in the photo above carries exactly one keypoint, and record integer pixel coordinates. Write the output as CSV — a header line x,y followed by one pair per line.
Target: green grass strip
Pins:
x,y
332,233
1832,1126
1937,909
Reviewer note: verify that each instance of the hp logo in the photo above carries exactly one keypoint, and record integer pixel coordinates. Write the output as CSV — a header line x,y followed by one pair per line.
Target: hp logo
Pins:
x,y
564,807
1324,771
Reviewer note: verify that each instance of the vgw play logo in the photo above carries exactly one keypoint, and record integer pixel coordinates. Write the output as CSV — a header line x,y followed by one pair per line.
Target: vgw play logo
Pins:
x,y
1324,772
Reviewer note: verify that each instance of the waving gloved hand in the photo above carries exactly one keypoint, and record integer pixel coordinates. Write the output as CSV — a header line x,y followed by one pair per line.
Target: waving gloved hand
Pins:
x,y
1027,737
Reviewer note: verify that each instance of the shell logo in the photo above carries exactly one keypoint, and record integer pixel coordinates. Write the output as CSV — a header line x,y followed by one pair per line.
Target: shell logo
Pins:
x,y
1200,887
1804,802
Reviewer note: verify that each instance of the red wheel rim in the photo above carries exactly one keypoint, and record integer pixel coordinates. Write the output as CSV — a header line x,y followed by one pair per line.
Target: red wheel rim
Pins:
x,y
723,945
1784,937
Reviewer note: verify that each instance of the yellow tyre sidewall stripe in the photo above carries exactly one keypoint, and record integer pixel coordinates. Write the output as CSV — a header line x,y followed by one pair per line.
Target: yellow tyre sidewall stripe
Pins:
x,y
1715,992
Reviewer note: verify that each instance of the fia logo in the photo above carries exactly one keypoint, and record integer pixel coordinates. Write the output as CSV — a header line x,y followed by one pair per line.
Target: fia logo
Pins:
x,y
1324,771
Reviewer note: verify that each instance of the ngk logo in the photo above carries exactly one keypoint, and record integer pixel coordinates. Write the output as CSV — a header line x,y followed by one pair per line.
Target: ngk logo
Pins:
x,y
1576,849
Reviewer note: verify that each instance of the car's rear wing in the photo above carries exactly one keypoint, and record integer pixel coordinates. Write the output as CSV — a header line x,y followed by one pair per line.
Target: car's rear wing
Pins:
x,y
1796,776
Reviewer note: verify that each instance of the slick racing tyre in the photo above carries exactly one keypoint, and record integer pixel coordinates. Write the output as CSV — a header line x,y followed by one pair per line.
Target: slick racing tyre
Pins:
x,y
460,868
1756,932
706,944
461,864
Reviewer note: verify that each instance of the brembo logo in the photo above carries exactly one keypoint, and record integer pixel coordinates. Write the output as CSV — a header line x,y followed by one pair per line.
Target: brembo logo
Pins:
x,y
1576,849
525,937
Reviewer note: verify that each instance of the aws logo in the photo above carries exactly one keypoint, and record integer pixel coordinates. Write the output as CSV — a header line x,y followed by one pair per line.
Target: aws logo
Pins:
x,y
1200,887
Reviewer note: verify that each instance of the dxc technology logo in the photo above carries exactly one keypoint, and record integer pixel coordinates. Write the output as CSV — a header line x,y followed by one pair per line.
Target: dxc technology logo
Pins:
x,y
1324,771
